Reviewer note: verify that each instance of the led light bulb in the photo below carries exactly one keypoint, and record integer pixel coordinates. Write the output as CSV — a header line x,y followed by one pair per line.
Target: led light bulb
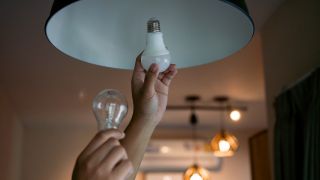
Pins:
x,y
235,115
224,146
109,107
155,51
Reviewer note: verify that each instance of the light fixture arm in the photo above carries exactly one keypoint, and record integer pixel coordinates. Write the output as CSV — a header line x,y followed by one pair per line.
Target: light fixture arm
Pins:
x,y
193,121
205,108
222,100
222,114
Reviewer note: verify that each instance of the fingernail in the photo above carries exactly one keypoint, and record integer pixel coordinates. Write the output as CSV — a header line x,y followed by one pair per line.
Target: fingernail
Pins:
x,y
131,171
123,135
154,68
120,134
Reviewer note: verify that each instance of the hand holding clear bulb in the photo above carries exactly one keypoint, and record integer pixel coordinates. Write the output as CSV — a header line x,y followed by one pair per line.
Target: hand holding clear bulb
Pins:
x,y
104,158
110,108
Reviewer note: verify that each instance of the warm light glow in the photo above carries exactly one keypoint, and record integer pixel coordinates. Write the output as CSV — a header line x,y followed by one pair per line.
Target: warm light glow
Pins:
x,y
196,172
224,146
196,176
164,149
235,115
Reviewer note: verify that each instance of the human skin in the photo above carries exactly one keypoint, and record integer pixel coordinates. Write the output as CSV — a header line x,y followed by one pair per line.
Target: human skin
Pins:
x,y
110,155
150,96
103,158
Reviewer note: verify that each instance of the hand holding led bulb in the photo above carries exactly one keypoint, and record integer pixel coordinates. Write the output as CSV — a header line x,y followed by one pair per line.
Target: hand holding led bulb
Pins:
x,y
150,91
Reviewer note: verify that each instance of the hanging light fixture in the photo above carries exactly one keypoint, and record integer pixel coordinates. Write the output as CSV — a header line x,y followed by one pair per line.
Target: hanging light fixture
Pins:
x,y
195,172
111,32
224,144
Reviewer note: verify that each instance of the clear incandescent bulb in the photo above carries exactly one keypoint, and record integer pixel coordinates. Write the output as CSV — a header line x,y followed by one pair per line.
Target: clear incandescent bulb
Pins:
x,y
155,51
110,107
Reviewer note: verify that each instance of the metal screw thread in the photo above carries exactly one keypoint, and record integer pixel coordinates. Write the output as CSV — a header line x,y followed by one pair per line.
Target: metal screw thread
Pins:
x,y
153,25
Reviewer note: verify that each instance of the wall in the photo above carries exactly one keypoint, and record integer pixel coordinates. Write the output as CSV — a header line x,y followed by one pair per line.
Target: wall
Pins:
x,y
10,139
50,152
290,41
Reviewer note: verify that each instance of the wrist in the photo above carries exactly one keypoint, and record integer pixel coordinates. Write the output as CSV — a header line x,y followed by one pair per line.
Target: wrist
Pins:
x,y
147,120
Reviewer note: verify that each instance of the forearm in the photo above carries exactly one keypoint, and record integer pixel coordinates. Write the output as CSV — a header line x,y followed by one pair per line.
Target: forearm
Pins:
x,y
150,95
138,134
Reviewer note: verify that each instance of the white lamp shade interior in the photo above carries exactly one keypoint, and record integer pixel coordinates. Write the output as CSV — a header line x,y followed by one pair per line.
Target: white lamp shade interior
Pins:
x,y
112,33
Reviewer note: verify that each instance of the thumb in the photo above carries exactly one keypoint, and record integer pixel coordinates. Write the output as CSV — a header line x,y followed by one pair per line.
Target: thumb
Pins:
x,y
150,80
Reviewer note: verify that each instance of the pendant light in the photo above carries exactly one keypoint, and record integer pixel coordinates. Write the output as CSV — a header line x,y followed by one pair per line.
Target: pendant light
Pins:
x,y
111,32
195,172
224,144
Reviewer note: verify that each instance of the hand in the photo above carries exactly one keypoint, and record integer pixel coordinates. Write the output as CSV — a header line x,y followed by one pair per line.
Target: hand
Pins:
x,y
150,91
103,159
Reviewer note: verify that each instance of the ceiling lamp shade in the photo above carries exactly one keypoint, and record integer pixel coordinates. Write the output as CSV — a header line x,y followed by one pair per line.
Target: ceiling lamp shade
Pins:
x,y
111,32
224,144
196,172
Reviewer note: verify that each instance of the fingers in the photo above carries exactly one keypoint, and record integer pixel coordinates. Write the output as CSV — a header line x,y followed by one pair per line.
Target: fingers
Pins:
x,y
169,74
103,158
138,66
123,169
117,154
98,140
150,80
138,76
98,155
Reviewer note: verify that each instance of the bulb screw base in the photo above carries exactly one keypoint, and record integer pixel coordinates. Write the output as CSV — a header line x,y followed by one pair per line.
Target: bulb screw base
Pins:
x,y
153,25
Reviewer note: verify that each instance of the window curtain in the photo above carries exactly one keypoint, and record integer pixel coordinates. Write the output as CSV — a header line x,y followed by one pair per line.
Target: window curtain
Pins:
x,y
297,131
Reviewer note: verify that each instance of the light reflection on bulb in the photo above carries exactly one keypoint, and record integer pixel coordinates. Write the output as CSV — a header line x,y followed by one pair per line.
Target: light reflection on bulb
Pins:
x,y
196,176
109,107
235,115
224,146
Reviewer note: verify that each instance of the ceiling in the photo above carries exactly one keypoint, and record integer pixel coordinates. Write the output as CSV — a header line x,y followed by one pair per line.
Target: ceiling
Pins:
x,y
49,88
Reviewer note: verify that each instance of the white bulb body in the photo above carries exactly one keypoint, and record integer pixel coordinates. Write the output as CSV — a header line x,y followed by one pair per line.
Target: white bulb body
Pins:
x,y
156,52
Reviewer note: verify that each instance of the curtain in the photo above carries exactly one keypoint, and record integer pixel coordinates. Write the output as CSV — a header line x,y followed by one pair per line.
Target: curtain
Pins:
x,y
297,131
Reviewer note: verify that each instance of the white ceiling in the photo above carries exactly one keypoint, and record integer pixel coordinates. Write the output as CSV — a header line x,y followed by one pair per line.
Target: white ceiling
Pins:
x,y
49,88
